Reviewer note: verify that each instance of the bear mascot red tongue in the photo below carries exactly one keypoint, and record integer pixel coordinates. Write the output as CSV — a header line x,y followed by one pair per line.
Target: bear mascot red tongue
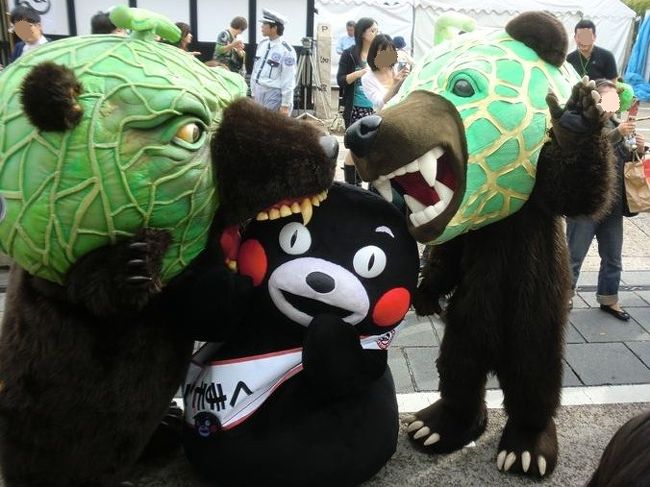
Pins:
x,y
302,390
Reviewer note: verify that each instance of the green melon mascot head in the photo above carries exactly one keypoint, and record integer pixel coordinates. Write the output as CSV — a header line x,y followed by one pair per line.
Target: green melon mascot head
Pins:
x,y
461,138
103,135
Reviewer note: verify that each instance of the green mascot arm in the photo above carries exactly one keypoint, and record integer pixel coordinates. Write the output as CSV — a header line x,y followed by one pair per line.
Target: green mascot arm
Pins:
x,y
450,24
625,95
144,24
576,169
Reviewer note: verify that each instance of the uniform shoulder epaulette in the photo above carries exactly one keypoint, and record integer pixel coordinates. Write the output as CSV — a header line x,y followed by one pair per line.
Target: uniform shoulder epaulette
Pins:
x,y
263,41
286,45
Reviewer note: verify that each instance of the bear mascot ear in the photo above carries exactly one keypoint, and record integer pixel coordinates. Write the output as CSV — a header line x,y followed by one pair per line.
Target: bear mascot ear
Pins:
x,y
543,33
49,95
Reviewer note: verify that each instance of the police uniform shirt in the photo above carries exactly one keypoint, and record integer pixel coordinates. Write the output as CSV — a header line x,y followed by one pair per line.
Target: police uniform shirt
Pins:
x,y
275,67
601,63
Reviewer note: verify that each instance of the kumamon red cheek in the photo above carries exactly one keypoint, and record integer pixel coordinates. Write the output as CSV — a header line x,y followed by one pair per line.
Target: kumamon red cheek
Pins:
x,y
391,307
252,261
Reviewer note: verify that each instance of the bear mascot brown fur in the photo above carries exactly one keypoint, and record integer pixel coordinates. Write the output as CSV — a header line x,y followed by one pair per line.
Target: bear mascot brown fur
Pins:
x,y
88,368
507,280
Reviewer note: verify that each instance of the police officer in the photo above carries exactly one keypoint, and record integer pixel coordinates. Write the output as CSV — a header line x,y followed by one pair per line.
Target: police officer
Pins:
x,y
274,73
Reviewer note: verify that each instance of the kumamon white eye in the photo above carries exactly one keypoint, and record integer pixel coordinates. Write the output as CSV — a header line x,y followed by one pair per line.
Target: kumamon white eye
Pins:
x,y
369,261
295,239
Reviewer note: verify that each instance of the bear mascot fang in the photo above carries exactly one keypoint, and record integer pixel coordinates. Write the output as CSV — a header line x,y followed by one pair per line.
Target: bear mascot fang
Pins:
x,y
487,170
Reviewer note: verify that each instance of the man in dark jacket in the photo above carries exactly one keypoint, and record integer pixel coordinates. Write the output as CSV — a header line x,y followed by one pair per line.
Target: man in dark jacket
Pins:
x,y
26,23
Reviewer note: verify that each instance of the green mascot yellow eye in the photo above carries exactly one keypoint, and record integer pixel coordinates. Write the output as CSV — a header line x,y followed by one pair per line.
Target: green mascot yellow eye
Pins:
x,y
190,133
463,88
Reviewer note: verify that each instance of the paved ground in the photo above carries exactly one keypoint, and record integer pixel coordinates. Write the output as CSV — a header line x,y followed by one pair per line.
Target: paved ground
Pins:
x,y
583,433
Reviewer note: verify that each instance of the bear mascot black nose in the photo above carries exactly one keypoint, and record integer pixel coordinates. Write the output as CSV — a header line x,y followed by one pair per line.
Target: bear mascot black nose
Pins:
x,y
360,136
330,146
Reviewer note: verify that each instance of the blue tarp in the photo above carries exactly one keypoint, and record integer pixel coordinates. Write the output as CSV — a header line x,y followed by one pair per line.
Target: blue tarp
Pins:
x,y
637,62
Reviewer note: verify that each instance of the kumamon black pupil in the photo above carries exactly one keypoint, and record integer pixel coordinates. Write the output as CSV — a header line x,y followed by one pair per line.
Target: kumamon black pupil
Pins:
x,y
371,261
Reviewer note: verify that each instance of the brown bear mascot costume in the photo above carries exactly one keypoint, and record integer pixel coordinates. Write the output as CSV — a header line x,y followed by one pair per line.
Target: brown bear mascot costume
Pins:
x,y
89,364
487,175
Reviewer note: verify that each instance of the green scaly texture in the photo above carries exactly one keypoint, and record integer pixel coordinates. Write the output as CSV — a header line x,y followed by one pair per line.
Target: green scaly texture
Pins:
x,y
124,167
505,120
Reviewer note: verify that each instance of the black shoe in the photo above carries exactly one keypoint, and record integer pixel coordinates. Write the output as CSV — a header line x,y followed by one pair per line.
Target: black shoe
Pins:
x,y
619,315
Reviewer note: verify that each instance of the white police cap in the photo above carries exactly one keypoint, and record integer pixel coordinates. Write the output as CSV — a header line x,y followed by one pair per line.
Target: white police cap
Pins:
x,y
271,17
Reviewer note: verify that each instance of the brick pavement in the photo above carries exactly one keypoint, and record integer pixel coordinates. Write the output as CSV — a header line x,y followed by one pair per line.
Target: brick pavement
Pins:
x,y
600,350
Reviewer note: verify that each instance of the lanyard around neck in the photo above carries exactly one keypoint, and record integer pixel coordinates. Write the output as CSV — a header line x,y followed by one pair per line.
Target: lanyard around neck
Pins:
x,y
584,65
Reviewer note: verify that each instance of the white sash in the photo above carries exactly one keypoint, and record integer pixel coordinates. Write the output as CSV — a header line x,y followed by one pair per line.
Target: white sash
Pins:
x,y
234,389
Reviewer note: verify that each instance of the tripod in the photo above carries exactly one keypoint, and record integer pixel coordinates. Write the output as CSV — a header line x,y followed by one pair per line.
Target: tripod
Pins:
x,y
308,78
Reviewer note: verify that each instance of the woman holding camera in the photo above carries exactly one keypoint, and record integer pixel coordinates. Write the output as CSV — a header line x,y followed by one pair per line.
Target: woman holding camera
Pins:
x,y
382,81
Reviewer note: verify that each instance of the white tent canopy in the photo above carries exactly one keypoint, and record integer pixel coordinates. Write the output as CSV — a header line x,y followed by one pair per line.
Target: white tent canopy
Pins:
x,y
614,27
488,14
414,19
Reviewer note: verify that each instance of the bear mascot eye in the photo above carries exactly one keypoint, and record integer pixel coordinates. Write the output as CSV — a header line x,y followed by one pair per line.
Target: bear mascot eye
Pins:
x,y
463,88
190,133
295,239
369,261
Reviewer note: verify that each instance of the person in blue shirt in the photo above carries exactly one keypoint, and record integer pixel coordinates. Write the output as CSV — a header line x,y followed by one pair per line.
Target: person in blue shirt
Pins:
x,y
347,40
26,23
